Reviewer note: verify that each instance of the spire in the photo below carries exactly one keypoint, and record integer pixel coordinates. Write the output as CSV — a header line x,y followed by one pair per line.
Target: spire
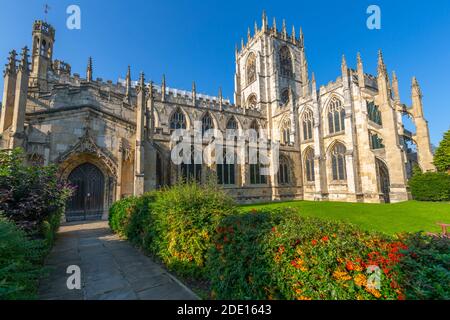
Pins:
x,y
293,34
301,38
256,28
313,83
242,43
344,67
89,70
395,89
416,91
381,65
274,25
163,88
23,66
360,71
249,36
236,52
194,93
220,98
11,66
284,29
128,84
141,80
264,21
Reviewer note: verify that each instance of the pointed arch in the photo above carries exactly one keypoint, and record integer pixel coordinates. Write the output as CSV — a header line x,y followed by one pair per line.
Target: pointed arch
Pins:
x,y
250,68
179,119
285,129
337,154
307,123
335,115
309,164
284,174
285,59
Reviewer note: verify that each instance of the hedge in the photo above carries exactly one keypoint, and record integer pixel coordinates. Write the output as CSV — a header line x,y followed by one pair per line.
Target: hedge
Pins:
x,y
199,233
430,186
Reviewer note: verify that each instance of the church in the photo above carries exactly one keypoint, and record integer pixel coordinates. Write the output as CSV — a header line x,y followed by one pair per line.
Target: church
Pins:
x,y
343,141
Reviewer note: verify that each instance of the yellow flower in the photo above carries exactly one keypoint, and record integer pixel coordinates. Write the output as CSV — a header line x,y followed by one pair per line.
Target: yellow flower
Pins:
x,y
303,298
299,251
360,280
374,292
341,275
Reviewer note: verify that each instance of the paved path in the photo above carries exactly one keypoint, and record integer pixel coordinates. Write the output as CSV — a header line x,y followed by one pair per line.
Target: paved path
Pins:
x,y
111,268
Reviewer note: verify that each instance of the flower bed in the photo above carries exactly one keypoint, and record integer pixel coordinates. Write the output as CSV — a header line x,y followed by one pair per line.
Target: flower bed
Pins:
x,y
198,233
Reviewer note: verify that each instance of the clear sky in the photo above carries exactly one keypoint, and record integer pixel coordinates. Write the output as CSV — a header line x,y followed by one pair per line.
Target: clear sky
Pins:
x,y
195,40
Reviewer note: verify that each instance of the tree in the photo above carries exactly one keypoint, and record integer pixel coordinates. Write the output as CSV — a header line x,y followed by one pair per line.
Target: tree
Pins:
x,y
442,155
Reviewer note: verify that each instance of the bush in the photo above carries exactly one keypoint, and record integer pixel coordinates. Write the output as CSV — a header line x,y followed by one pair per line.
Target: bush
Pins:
x,y
20,262
430,186
29,195
281,255
425,269
442,154
176,225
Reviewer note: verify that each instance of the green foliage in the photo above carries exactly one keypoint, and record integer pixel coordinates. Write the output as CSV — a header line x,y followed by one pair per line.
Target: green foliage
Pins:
x,y
430,186
29,195
176,224
425,268
442,154
281,255
20,262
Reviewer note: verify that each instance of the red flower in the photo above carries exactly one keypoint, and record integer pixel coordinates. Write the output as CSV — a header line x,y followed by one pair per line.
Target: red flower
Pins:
x,y
325,239
314,242
274,229
349,266
281,249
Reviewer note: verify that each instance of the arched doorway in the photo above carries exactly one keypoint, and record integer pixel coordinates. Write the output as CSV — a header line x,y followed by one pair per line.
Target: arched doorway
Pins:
x,y
87,201
383,180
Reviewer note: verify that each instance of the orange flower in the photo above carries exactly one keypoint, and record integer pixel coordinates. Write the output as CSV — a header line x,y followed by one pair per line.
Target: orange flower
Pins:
x,y
341,275
349,266
303,298
314,242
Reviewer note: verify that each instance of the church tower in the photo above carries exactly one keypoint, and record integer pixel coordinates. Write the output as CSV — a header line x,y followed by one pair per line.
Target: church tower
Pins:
x,y
42,53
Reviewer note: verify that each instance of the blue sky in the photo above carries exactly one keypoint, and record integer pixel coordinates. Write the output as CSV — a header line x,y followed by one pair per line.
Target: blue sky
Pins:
x,y
195,40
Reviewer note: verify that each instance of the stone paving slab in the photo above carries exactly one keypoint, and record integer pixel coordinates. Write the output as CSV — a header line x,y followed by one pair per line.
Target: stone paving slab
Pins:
x,y
111,268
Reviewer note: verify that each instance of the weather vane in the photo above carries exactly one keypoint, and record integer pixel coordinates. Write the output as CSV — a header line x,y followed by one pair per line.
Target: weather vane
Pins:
x,y
46,8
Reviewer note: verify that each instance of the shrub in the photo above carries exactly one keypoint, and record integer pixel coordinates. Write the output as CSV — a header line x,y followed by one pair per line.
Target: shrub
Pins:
x,y
430,186
183,222
176,224
20,262
425,268
281,255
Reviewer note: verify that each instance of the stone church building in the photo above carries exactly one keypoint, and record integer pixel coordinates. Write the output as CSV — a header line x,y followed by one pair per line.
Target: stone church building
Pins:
x,y
344,141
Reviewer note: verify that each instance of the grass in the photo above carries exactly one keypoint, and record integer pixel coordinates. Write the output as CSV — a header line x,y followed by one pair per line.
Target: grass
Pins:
x,y
411,216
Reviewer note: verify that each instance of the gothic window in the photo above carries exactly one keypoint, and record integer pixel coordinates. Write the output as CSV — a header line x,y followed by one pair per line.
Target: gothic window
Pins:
x,y
336,116
232,124
285,62
43,48
251,68
309,165
284,171
374,113
286,132
191,171
308,124
285,96
178,121
338,162
159,171
226,171
207,123
252,102
376,142
255,172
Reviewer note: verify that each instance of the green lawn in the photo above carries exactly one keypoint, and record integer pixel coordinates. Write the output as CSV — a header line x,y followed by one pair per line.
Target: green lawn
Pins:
x,y
408,216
